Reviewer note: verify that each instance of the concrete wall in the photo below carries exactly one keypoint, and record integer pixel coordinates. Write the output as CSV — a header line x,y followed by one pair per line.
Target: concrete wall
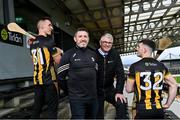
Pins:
x,y
15,61
11,10
1,12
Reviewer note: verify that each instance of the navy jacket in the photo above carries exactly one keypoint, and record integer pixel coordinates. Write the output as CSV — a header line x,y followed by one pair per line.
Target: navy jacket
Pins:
x,y
109,68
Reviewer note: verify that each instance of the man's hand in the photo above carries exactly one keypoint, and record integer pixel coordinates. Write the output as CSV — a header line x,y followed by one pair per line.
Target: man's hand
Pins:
x,y
120,97
165,106
30,41
57,55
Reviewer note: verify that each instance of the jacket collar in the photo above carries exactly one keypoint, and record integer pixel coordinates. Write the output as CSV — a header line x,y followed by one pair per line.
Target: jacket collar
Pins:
x,y
104,54
83,49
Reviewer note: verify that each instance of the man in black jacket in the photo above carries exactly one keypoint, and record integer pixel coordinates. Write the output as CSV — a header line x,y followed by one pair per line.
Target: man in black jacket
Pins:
x,y
109,68
79,64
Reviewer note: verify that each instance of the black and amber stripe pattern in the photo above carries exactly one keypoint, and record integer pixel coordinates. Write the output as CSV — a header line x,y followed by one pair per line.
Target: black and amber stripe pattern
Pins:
x,y
44,72
148,75
151,98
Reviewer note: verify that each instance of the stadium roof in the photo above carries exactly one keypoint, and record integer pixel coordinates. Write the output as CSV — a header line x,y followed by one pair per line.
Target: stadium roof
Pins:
x,y
128,20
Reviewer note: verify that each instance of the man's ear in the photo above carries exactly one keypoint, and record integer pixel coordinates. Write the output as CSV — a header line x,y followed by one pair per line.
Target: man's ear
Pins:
x,y
144,50
74,39
99,42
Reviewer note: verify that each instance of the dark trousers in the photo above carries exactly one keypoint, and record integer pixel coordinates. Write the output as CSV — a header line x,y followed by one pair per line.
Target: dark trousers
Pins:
x,y
83,109
121,108
45,95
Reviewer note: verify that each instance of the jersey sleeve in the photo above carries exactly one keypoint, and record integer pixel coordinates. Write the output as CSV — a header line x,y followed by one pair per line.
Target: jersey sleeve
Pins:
x,y
166,71
131,74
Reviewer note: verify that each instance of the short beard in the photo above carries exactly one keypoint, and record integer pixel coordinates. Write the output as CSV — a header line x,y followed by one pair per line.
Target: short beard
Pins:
x,y
82,46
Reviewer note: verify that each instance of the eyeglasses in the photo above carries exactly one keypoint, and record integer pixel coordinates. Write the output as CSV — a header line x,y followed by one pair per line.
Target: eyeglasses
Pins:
x,y
105,42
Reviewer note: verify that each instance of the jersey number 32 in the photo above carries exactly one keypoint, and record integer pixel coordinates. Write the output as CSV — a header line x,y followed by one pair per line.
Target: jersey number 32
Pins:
x,y
148,84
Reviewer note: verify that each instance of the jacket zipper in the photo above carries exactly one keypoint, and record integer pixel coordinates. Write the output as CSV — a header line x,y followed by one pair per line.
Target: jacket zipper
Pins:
x,y
104,79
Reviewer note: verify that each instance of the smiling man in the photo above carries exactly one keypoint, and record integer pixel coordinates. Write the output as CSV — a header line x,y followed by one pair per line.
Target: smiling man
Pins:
x,y
110,67
79,64
44,54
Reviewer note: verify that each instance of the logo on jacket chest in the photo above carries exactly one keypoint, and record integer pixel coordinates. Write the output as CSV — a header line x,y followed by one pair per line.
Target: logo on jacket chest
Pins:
x,y
78,59
110,61
92,59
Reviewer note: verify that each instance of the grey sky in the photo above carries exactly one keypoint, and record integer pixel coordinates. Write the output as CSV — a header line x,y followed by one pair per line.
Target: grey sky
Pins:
x,y
173,53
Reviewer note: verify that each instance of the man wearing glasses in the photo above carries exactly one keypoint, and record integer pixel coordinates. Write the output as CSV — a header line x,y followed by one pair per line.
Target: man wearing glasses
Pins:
x,y
109,68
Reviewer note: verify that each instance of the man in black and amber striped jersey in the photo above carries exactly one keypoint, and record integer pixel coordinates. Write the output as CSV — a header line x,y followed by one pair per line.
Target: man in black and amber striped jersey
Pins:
x,y
44,54
146,80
